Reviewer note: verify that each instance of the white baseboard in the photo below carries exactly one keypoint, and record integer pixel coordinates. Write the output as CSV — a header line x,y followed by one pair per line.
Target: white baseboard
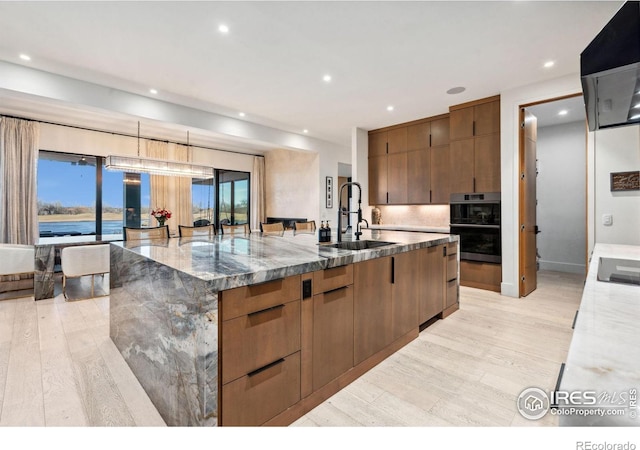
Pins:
x,y
562,267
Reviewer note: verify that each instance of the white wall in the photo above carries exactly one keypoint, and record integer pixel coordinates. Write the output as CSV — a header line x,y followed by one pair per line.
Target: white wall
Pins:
x,y
616,150
291,186
561,193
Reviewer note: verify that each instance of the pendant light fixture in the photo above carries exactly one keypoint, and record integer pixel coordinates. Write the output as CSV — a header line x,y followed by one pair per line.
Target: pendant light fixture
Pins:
x,y
156,166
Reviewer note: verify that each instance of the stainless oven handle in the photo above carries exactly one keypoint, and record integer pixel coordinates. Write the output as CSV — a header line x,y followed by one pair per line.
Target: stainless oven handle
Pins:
x,y
466,225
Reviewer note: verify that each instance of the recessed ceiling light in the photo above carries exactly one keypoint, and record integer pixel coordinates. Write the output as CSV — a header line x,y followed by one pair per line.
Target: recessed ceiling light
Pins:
x,y
549,64
456,90
390,108
327,78
25,57
153,91
223,29
241,114
563,112
637,116
305,131
637,106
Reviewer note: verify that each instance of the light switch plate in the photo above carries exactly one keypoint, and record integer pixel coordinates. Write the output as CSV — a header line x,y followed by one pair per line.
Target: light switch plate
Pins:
x,y
607,220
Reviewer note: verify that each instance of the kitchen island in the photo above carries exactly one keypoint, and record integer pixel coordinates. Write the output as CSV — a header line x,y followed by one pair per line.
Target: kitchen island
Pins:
x,y
167,315
603,364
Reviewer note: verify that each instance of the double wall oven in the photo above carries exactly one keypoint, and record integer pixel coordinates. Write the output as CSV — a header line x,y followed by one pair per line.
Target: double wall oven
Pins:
x,y
476,219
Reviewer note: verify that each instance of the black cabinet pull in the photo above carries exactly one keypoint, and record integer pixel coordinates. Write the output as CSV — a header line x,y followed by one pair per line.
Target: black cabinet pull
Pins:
x,y
474,128
575,318
263,368
429,140
336,289
265,310
387,197
474,184
307,289
393,270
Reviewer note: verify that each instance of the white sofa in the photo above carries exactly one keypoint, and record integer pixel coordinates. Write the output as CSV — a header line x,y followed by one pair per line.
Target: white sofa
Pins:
x,y
16,259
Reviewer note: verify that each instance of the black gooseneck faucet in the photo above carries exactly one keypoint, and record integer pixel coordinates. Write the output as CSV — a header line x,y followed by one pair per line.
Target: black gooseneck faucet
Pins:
x,y
358,232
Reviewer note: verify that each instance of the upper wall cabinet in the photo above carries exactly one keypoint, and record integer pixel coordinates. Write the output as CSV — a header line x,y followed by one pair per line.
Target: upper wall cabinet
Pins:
x,y
409,163
474,162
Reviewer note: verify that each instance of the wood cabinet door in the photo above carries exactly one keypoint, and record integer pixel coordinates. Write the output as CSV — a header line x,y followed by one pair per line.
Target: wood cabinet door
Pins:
x,y
419,179
461,161
487,118
332,335
461,123
378,144
397,178
397,140
440,178
440,132
418,136
378,180
487,163
405,290
371,307
432,281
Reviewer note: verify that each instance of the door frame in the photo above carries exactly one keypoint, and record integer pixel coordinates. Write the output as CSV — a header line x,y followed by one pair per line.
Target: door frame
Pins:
x,y
520,190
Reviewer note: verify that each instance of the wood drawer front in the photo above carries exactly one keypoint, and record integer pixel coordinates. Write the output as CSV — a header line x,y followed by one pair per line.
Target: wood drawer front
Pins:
x,y
253,340
452,248
452,267
330,279
452,293
332,335
258,397
247,299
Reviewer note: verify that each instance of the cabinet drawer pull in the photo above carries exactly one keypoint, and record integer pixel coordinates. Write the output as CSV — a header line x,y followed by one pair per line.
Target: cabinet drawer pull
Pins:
x,y
575,318
263,368
265,310
336,289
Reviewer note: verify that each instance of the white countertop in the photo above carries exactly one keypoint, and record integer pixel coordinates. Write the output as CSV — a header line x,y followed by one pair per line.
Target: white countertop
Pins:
x,y
604,355
419,228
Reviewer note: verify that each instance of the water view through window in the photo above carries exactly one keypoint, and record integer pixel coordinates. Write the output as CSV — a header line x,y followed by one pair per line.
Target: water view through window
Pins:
x,y
68,190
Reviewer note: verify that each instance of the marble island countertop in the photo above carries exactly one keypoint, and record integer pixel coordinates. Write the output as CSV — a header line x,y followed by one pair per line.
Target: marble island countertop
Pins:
x,y
604,355
231,261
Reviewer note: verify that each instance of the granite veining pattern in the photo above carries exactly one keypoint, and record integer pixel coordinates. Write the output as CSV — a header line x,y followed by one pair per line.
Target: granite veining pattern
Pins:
x,y
604,355
164,304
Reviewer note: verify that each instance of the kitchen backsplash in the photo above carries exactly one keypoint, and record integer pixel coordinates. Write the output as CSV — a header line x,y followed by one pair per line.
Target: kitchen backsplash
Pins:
x,y
418,215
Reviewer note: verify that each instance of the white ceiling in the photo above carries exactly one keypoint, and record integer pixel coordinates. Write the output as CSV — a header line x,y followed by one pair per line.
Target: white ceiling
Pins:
x,y
271,63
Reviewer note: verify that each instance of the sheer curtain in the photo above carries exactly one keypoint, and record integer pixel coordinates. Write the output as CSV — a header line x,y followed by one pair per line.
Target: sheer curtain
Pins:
x,y
171,192
19,145
257,193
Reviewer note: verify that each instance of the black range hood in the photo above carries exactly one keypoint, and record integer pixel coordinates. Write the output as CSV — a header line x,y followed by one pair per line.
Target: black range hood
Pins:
x,y
610,71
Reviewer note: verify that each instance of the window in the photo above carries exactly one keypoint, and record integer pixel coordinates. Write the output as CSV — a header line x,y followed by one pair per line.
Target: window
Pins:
x,y
203,201
233,197
66,194
76,196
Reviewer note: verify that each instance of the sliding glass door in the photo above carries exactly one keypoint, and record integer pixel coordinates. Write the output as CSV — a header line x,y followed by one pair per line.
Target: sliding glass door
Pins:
x,y
233,197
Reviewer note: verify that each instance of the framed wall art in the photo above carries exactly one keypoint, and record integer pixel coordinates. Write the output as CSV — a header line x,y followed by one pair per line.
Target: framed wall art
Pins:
x,y
329,192
625,181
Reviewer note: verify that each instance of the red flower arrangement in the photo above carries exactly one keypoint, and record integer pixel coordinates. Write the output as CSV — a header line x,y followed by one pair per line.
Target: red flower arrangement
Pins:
x,y
161,215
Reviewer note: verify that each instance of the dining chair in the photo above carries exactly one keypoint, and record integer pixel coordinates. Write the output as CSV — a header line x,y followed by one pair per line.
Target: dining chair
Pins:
x,y
188,231
134,234
236,229
84,260
272,228
309,226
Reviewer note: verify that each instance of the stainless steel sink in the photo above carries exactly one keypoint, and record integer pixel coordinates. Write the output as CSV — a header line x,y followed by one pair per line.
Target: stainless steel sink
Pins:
x,y
359,245
625,271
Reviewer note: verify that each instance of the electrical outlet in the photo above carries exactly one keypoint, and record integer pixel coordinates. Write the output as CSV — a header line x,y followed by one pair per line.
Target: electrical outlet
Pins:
x,y
607,220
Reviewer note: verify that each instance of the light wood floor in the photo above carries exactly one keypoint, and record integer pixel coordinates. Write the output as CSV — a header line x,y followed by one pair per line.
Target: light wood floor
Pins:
x,y
58,366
